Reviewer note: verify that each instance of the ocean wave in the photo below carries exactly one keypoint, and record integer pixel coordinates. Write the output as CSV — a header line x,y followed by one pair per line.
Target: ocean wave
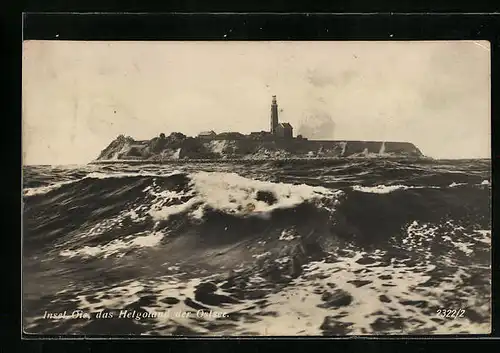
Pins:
x,y
103,214
233,194
108,214
41,190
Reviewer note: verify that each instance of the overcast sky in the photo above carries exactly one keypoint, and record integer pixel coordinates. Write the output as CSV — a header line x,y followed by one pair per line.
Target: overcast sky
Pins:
x,y
78,96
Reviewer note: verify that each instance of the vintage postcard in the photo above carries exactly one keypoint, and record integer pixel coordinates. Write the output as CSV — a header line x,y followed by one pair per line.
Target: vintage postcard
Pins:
x,y
256,188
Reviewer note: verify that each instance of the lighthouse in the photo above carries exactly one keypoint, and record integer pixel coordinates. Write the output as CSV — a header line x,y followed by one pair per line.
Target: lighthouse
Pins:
x,y
274,116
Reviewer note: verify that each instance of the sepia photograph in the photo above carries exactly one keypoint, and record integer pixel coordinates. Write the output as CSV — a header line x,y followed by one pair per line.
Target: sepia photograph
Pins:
x,y
256,188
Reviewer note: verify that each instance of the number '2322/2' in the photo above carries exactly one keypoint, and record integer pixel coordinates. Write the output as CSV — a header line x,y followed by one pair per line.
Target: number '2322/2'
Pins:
x,y
449,313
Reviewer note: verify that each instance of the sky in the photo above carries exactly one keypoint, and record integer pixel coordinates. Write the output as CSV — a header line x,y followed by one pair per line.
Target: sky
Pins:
x,y
79,96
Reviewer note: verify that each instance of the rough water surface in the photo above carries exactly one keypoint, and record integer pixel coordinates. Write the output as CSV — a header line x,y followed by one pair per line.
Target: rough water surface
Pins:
x,y
258,248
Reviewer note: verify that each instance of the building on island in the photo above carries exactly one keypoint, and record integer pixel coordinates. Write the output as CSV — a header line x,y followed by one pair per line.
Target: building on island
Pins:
x,y
260,135
207,134
274,116
279,130
230,136
284,130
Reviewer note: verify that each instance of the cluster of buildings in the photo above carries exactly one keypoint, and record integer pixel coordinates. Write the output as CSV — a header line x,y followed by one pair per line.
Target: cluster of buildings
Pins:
x,y
277,130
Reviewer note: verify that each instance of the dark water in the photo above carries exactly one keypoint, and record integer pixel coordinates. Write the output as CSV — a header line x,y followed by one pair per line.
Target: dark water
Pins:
x,y
309,248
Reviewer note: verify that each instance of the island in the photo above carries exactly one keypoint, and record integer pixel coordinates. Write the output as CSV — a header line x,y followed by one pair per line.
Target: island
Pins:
x,y
278,143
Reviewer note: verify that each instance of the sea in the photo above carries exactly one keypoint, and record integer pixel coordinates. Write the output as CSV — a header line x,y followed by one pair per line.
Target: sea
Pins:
x,y
258,248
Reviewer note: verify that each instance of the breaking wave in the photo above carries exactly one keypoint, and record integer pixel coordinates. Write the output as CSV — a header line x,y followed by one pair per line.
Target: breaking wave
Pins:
x,y
107,207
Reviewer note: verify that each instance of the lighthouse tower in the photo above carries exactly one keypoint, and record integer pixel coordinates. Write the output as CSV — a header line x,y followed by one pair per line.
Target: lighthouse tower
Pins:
x,y
274,116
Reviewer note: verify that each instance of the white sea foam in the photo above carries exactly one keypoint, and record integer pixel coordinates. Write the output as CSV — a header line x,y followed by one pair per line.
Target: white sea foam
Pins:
x,y
379,189
387,189
485,236
420,235
258,256
287,235
115,247
452,185
234,194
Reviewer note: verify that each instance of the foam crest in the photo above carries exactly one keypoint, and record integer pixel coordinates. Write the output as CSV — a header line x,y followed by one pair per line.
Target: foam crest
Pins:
x,y
45,189
94,175
380,189
387,189
233,194
115,247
